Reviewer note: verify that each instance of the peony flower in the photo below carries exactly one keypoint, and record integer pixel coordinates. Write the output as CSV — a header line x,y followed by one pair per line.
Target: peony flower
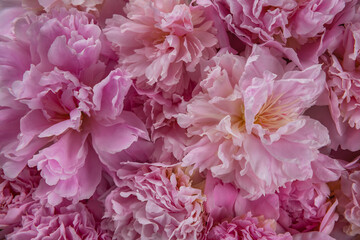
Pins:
x,y
15,198
158,42
65,222
340,64
285,21
247,228
169,139
248,115
72,122
154,202
299,206
304,207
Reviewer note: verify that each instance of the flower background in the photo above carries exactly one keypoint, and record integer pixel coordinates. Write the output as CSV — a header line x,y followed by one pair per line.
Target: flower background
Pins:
x,y
176,119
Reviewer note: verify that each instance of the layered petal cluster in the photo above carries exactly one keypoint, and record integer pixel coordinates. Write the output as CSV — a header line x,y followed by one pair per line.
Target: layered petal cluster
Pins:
x,y
160,41
247,228
72,118
298,207
349,199
180,119
284,21
341,64
154,202
218,207
63,222
16,197
248,120
306,206
47,5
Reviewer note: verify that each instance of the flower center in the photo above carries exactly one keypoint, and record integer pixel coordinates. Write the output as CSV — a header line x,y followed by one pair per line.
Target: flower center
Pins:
x,y
238,121
273,114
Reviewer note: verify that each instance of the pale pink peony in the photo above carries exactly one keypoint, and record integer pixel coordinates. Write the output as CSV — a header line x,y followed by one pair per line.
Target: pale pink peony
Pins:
x,y
16,197
248,119
159,41
312,17
247,228
289,22
154,202
72,118
341,65
304,207
72,221
300,206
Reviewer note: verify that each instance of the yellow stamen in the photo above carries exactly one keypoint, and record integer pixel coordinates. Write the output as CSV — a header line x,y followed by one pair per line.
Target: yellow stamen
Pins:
x,y
274,115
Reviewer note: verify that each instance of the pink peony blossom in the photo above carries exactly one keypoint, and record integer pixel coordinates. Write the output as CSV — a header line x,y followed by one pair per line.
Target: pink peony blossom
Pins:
x,y
299,206
248,115
341,64
154,202
72,119
16,197
247,228
304,206
289,22
159,41
64,222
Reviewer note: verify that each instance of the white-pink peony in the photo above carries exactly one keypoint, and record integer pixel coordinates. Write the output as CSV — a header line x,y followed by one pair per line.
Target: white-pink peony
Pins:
x,y
248,120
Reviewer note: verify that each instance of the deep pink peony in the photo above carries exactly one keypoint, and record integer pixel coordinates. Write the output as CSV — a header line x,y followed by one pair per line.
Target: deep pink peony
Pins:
x,y
159,41
72,221
153,202
248,119
74,119
247,228
289,22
